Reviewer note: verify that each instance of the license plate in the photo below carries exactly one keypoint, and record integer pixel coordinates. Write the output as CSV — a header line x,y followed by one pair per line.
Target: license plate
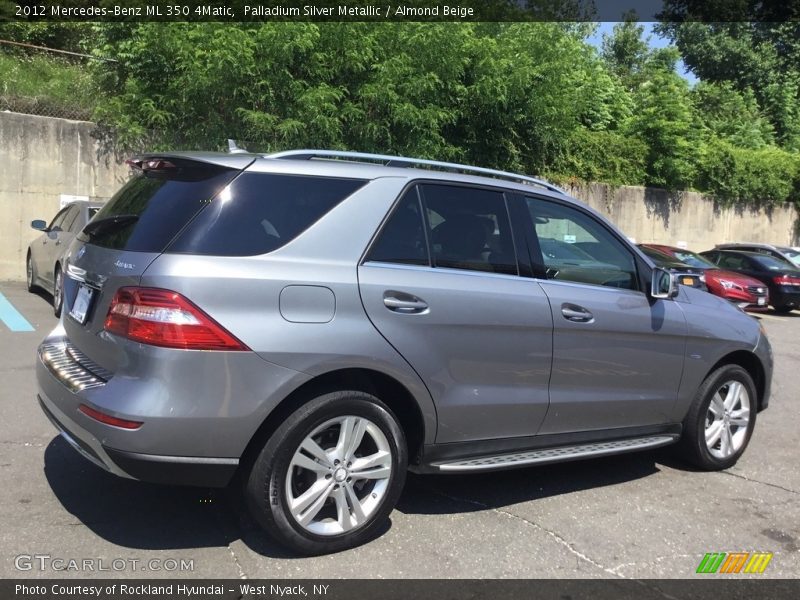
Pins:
x,y
762,301
83,301
688,281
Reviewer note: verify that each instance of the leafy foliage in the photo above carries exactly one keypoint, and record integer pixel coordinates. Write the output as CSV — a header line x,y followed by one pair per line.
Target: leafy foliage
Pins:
x,y
529,97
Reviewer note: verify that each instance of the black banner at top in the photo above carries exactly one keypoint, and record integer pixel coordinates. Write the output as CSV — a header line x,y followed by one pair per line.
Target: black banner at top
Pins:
x,y
243,11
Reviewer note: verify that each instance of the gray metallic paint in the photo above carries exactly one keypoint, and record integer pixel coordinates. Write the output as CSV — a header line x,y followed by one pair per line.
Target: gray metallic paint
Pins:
x,y
477,363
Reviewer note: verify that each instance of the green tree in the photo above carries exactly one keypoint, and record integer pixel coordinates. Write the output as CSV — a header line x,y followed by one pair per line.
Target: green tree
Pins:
x,y
762,58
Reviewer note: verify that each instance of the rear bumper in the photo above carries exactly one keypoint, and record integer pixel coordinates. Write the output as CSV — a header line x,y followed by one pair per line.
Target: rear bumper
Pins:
x,y
785,297
172,470
199,410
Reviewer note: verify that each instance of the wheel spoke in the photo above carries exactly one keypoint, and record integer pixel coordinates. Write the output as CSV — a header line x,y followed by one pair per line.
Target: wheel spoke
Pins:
x,y
734,391
379,459
314,449
727,441
313,497
351,433
717,406
740,418
301,460
713,433
358,512
342,510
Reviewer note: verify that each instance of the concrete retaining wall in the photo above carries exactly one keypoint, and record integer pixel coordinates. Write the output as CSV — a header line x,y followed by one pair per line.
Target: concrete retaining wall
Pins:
x,y
42,158
658,216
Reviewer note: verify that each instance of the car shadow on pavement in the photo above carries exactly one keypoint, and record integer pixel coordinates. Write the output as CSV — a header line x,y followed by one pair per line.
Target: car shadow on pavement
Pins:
x,y
450,494
145,516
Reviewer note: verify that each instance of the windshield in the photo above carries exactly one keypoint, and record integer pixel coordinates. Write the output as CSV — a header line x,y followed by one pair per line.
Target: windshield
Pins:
x,y
693,259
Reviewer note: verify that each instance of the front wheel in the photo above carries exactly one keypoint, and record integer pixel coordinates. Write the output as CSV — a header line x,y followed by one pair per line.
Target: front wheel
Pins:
x,y
30,274
721,419
329,476
785,309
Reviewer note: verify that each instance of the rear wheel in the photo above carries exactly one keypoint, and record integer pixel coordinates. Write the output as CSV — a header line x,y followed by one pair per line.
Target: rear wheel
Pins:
x,y
721,419
30,274
58,291
329,476
785,309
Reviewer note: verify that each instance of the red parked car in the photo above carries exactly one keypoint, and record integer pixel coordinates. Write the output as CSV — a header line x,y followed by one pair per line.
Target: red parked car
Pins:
x,y
749,293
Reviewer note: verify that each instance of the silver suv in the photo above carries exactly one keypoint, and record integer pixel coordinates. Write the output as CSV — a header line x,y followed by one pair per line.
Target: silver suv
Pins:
x,y
319,322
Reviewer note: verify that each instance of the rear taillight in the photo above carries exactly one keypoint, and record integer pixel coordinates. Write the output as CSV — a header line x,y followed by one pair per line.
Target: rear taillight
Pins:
x,y
786,280
164,318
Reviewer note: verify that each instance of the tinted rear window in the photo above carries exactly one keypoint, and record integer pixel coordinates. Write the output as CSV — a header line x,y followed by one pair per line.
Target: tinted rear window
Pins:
x,y
260,212
162,205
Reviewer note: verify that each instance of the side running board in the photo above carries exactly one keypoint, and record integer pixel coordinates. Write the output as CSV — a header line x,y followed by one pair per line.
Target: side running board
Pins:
x,y
558,454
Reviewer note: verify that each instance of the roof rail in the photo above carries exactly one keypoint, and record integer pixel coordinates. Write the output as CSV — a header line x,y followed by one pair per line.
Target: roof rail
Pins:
x,y
402,161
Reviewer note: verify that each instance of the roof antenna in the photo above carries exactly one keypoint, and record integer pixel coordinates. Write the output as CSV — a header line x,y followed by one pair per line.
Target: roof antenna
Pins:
x,y
234,149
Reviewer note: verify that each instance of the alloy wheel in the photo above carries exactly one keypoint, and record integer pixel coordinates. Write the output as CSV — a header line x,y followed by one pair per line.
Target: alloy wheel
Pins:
x,y
57,292
339,475
727,419
29,272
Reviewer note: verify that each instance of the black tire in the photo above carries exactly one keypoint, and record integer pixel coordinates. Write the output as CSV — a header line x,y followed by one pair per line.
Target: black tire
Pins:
x,y
693,445
58,291
784,310
30,273
265,488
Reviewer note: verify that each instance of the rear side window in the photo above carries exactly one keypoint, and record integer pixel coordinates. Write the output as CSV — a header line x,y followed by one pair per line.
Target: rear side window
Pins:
x,y
150,210
469,229
260,212
465,228
402,239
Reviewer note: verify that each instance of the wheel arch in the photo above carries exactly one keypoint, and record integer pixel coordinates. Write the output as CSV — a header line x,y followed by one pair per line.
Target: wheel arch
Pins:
x,y
385,387
750,363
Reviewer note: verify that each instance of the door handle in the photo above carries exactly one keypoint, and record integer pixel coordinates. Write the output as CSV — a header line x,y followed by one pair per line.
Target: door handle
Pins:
x,y
577,314
404,303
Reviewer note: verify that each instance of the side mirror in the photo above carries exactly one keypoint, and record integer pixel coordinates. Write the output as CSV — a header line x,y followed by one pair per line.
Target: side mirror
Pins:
x,y
39,224
663,284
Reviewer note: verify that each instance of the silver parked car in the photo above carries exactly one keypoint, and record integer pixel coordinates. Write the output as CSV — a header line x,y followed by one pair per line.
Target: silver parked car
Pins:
x,y
44,262
319,322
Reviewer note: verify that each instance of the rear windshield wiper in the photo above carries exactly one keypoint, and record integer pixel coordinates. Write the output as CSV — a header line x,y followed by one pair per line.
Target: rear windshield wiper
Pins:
x,y
109,224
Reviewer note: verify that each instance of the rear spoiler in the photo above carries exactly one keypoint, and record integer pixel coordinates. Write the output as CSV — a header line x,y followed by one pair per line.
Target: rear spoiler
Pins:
x,y
151,161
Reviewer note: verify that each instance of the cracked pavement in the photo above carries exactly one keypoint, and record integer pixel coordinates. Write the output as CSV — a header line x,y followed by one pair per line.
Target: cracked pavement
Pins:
x,y
638,515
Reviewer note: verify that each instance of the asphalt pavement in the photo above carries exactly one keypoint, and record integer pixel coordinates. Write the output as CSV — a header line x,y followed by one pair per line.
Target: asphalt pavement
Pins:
x,y
642,515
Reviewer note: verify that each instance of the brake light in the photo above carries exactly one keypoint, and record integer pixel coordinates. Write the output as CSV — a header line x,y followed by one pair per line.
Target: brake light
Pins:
x,y
165,318
108,419
786,280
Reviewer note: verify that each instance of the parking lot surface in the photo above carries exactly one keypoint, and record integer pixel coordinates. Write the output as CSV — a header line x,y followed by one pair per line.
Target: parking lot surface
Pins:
x,y
640,515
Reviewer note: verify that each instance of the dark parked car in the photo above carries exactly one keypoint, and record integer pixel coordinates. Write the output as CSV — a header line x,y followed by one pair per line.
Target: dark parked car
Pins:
x,y
787,253
687,274
744,291
782,280
44,264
